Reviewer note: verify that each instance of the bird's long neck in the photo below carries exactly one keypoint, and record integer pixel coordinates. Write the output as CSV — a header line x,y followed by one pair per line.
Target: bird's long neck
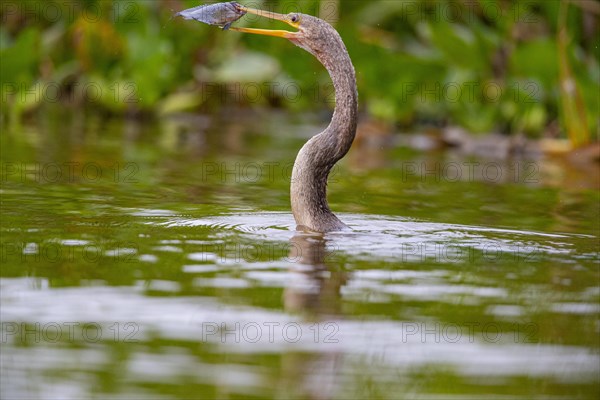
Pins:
x,y
343,122
321,152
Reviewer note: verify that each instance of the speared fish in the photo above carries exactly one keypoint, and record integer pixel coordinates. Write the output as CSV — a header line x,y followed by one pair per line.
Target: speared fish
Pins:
x,y
220,14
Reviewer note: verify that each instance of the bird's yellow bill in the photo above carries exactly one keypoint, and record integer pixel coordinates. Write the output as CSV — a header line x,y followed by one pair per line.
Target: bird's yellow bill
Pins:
x,y
267,32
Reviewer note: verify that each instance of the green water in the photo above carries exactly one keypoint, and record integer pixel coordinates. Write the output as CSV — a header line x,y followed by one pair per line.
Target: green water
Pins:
x,y
158,259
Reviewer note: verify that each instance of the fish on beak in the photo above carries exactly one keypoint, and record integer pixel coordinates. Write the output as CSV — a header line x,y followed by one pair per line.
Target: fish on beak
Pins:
x,y
225,14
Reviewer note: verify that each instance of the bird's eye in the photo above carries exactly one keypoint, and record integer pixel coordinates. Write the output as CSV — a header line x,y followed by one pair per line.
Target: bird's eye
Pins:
x,y
294,18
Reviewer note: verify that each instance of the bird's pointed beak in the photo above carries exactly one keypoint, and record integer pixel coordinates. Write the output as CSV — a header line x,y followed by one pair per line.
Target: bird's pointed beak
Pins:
x,y
267,32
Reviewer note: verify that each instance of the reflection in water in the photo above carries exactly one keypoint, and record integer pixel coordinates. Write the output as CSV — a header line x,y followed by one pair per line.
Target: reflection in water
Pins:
x,y
315,289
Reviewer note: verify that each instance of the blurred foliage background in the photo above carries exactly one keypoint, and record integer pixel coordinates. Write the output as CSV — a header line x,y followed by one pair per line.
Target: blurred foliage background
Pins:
x,y
516,67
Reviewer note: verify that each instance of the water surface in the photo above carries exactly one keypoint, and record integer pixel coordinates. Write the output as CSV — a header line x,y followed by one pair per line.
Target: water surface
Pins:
x,y
160,260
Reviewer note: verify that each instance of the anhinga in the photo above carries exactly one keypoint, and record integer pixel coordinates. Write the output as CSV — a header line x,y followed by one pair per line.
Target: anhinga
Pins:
x,y
317,157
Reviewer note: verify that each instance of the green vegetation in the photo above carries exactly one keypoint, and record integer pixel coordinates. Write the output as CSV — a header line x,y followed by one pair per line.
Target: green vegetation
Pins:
x,y
527,67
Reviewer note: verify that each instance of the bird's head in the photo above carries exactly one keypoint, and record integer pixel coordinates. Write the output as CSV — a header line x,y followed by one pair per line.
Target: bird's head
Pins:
x,y
312,34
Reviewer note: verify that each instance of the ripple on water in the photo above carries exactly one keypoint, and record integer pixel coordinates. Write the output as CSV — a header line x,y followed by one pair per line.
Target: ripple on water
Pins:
x,y
404,239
